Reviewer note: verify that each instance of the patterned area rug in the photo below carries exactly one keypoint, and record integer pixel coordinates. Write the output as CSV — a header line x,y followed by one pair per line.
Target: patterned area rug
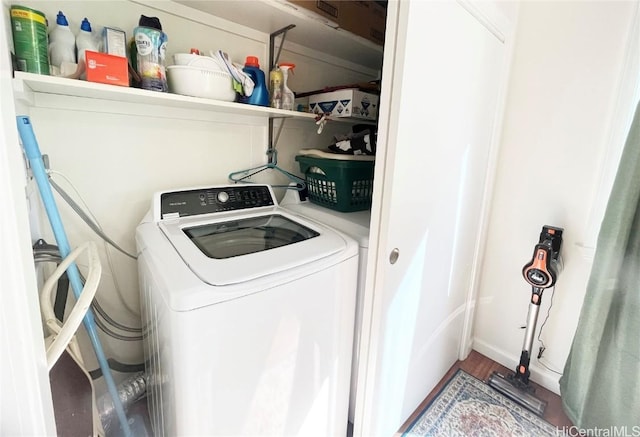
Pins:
x,y
467,406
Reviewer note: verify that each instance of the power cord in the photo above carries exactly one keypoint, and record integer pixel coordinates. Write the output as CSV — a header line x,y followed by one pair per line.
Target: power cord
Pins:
x,y
549,368
542,345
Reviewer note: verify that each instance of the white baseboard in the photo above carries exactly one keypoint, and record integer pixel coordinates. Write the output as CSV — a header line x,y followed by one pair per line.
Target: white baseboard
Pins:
x,y
545,378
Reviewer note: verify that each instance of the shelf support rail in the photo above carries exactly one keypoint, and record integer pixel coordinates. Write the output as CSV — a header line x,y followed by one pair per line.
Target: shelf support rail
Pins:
x,y
272,43
272,63
271,151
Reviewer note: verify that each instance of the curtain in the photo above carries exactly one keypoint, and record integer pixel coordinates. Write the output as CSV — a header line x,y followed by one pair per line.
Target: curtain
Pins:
x,y
600,386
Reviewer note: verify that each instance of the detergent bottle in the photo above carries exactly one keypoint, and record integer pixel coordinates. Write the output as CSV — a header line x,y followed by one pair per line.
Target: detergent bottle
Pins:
x,y
288,97
62,42
260,94
85,40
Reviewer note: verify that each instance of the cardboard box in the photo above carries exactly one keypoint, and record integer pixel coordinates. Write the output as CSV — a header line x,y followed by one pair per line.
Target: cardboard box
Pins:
x,y
329,9
367,19
114,41
105,68
345,103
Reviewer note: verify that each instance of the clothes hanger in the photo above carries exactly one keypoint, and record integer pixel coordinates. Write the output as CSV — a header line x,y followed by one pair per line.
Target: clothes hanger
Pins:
x,y
272,153
243,175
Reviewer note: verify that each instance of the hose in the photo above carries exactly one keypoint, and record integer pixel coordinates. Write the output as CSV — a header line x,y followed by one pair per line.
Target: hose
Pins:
x,y
113,334
34,156
93,223
118,367
88,220
41,246
50,253
64,332
129,391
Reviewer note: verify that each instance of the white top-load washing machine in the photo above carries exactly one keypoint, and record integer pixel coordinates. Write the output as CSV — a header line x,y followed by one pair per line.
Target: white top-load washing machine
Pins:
x,y
356,225
248,313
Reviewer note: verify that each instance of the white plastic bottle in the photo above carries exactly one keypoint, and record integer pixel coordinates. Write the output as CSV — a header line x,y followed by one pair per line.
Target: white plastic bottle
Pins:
x,y
62,43
85,40
287,95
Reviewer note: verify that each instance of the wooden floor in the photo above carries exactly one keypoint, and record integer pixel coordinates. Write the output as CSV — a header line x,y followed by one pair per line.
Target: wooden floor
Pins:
x,y
482,367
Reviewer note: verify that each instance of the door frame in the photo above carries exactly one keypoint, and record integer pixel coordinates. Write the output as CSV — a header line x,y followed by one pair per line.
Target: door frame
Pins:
x,y
25,396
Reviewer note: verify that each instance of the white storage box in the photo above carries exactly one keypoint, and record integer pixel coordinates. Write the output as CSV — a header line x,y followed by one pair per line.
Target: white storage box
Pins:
x,y
345,103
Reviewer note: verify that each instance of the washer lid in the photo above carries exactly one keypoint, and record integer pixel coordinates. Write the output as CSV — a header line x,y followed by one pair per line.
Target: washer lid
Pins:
x,y
239,248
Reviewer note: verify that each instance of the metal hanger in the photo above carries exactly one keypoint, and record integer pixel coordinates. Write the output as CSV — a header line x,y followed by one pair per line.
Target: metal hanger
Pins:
x,y
243,175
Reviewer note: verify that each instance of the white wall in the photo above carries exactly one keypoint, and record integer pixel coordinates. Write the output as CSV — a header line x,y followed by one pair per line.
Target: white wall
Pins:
x,y
117,155
568,63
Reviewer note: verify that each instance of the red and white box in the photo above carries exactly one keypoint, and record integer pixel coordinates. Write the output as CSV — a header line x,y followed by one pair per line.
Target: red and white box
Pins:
x,y
105,68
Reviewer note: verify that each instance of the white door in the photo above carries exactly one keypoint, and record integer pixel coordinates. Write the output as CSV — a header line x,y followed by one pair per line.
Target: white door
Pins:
x,y
441,107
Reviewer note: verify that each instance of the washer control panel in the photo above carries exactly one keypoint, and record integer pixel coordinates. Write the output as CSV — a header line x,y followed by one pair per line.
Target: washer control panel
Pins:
x,y
175,204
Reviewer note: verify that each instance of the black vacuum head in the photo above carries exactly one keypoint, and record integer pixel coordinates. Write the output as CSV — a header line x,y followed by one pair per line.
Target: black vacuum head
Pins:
x,y
518,392
552,235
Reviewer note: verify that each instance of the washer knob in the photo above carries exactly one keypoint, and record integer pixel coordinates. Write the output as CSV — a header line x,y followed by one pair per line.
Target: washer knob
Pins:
x,y
223,197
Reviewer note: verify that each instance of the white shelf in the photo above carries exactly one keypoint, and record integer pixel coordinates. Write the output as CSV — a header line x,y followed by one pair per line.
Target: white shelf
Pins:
x,y
312,30
27,83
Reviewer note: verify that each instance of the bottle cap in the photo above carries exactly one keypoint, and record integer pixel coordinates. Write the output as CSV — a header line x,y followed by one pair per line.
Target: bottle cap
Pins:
x,y
61,19
252,61
86,26
287,66
194,51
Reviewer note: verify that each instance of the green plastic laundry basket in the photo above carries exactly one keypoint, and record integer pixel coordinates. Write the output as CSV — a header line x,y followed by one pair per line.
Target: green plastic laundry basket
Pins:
x,y
341,185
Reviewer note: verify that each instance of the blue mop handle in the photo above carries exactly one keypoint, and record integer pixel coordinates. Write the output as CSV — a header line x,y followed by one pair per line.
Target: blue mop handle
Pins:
x,y
34,156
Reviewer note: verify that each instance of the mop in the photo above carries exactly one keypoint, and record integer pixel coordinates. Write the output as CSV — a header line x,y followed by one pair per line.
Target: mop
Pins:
x,y
34,156
541,273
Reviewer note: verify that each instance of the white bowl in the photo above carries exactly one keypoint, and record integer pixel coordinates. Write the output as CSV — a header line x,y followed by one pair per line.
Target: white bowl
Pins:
x,y
200,82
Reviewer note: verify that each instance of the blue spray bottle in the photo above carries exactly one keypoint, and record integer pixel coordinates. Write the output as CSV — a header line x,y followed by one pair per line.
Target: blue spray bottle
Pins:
x,y
260,94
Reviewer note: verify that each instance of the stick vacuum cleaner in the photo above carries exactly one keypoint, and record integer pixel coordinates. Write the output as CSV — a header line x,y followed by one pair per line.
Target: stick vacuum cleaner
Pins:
x,y
541,273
